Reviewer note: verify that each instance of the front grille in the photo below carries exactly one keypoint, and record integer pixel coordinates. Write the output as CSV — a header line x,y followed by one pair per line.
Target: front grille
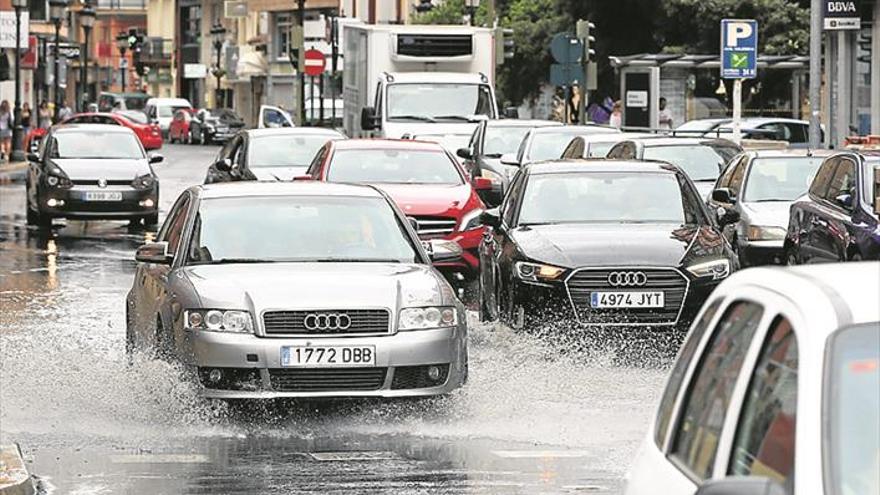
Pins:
x,y
435,45
585,281
434,227
327,379
294,322
410,377
94,182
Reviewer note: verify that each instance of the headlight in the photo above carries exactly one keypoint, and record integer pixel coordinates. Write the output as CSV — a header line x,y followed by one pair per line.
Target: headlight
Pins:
x,y
535,272
762,233
493,176
57,178
427,317
717,269
145,181
218,320
471,220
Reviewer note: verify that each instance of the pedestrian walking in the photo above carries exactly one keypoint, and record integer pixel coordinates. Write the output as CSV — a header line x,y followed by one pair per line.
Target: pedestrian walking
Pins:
x,y
65,111
45,116
664,116
616,118
27,116
6,125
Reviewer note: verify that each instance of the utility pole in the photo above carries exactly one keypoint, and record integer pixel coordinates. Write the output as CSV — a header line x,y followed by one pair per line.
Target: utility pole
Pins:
x,y
16,154
582,31
815,72
299,39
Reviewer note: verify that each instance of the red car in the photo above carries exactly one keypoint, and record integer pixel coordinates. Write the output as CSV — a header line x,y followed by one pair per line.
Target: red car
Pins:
x,y
149,134
178,130
426,182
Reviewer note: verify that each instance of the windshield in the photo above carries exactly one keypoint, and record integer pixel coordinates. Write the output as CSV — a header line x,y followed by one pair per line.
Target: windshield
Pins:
x,y
134,116
285,150
501,140
298,228
451,142
432,102
136,102
393,167
604,197
550,145
699,125
780,179
222,114
168,111
852,402
700,161
95,144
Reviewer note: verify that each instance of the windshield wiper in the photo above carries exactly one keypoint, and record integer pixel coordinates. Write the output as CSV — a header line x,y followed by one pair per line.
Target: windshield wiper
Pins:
x,y
355,260
223,261
463,118
421,118
493,155
770,200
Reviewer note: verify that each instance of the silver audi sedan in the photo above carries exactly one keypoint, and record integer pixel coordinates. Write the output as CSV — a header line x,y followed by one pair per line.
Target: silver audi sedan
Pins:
x,y
297,289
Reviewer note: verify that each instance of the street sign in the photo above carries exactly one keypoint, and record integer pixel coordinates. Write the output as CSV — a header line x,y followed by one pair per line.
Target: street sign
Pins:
x,y
195,71
565,74
7,29
739,48
68,50
841,15
566,49
123,63
314,62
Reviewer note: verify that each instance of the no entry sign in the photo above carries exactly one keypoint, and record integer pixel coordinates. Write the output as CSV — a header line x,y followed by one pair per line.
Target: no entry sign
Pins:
x,y
314,62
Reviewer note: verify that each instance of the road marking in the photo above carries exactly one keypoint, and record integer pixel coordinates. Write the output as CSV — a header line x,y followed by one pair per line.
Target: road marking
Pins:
x,y
540,454
353,456
160,459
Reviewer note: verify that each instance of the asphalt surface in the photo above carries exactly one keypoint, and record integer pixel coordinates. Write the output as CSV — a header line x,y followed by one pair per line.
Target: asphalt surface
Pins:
x,y
539,415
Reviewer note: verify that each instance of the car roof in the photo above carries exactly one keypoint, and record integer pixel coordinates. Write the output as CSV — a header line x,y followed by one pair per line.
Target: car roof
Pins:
x,y
852,287
438,77
790,153
386,144
295,188
756,121
293,131
598,165
63,128
523,123
576,130
169,101
651,142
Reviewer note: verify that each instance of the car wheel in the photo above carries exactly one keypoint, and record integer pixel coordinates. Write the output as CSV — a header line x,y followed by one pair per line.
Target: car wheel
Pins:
x,y
855,257
791,257
189,138
161,348
206,138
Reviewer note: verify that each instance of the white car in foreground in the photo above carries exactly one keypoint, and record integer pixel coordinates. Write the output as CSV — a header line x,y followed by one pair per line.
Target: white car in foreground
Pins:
x,y
775,391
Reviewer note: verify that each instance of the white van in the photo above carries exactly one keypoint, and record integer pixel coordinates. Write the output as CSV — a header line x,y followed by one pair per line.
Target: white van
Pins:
x,y
161,111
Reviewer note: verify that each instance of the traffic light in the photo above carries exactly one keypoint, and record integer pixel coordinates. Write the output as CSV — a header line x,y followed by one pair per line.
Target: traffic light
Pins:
x,y
865,43
136,45
583,31
424,6
504,45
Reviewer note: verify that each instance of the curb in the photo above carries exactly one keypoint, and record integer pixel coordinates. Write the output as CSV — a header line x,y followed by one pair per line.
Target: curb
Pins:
x,y
13,172
14,477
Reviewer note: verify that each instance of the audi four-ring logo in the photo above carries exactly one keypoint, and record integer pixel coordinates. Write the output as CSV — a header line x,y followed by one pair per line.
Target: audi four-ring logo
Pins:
x,y
327,321
627,279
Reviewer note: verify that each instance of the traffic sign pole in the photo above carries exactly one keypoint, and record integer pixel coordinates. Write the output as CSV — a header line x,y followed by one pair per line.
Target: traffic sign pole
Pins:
x,y
737,110
739,60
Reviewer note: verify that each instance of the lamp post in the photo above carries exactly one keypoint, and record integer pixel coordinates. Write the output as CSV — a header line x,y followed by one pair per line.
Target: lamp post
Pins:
x,y
122,44
56,13
17,154
471,6
87,21
218,34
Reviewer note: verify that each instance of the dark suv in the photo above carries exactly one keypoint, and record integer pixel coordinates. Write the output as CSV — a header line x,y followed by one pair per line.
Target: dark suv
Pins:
x,y
837,220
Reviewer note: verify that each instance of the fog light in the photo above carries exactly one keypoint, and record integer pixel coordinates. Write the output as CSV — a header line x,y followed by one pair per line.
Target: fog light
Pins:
x,y
147,203
434,373
52,202
215,375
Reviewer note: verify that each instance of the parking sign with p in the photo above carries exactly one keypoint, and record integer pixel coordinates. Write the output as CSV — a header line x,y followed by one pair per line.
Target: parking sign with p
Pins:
x,y
739,48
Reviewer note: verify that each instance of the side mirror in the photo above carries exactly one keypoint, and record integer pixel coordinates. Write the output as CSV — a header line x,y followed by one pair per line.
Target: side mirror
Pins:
x,y
483,184
723,195
440,250
877,191
154,252
465,153
491,218
741,485
156,158
727,217
845,200
368,119
511,112
224,165
509,159
33,157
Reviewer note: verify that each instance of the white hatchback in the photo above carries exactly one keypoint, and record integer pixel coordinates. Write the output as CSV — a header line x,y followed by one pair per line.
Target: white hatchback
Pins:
x,y
776,390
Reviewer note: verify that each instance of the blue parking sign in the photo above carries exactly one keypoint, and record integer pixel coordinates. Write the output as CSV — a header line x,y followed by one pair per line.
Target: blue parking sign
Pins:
x,y
739,48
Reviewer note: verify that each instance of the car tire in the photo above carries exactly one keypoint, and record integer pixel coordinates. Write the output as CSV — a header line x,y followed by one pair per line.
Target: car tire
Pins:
x,y
791,256
161,349
206,138
189,138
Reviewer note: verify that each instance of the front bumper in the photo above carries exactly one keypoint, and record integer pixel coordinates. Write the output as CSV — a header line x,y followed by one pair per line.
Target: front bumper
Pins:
x,y
223,135
762,252
135,203
469,263
396,355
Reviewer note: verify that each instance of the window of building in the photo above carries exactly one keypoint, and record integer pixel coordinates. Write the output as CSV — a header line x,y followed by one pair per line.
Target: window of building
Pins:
x,y
283,25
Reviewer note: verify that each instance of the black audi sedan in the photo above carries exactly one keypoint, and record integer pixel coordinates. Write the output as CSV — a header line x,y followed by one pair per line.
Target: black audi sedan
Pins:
x,y
91,171
601,242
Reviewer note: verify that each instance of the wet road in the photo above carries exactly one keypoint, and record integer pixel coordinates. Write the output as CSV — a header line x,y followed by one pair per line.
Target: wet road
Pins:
x,y
532,419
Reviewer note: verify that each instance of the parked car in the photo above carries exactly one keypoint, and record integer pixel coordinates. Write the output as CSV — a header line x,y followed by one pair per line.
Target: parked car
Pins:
x,y
548,143
702,159
598,145
492,139
85,171
161,110
149,134
760,186
214,125
601,242
272,116
776,390
269,154
839,217
297,290
793,131
425,181
179,128
109,102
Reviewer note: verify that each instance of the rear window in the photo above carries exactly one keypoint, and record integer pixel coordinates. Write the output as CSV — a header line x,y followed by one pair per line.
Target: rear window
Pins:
x,y
700,161
392,166
852,408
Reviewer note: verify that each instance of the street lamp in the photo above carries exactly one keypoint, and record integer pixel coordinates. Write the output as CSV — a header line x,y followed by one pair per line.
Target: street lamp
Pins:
x,y
122,44
56,13
87,20
218,34
471,6
17,154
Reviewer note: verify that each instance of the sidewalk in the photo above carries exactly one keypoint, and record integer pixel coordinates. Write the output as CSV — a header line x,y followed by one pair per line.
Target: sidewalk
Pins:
x,y
13,172
14,477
